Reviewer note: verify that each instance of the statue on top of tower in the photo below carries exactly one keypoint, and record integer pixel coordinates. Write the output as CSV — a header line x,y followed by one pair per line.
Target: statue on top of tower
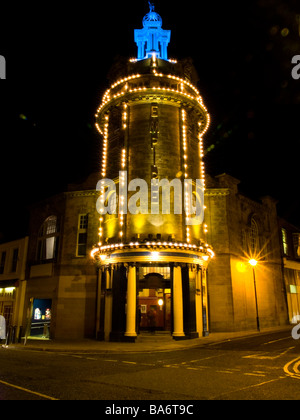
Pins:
x,y
152,6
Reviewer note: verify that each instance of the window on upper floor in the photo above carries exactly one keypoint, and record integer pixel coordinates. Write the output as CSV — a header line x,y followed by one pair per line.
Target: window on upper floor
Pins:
x,y
253,238
251,241
48,240
285,241
2,262
83,222
14,262
296,243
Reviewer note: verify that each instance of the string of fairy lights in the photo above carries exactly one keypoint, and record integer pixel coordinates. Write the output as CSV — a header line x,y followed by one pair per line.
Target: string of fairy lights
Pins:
x,y
185,169
182,85
108,96
122,175
103,173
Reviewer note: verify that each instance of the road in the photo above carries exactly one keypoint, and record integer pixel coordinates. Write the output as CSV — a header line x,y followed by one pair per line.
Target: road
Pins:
x,y
263,367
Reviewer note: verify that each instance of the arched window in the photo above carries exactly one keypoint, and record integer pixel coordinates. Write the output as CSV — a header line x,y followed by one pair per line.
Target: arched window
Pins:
x,y
48,239
253,237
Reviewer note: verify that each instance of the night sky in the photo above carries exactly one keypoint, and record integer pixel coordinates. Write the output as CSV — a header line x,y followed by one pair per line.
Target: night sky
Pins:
x,y
58,57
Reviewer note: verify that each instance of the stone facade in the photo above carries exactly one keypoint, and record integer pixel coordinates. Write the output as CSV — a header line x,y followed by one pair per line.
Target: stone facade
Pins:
x,y
65,278
240,229
72,284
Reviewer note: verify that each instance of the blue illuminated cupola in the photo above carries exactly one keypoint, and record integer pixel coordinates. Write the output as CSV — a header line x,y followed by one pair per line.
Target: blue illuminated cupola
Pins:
x,y
152,38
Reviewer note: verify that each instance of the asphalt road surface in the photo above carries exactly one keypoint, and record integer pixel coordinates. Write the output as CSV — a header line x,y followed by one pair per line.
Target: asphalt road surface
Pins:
x,y
263,367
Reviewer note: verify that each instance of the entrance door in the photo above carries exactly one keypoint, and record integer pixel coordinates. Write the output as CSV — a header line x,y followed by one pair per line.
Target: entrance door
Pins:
x,y
154,299
155,307
41,318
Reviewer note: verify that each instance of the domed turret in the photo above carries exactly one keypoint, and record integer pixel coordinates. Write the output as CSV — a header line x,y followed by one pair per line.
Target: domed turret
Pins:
x,y
152,19
152,38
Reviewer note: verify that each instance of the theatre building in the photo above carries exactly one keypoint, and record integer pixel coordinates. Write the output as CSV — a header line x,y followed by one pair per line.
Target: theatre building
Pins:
x,y
143,251
152,119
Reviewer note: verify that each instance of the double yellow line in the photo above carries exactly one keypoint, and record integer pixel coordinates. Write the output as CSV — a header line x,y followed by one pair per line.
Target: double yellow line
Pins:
x,y
295,365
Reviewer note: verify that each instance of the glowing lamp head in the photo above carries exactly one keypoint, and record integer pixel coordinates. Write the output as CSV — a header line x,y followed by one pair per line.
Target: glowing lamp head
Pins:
x,y
160,302
253,263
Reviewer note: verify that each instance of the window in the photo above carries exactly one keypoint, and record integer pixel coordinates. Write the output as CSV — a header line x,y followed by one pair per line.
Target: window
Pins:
x,y
253,238
15,260
82,235
2,262
285,241
296,243
48,240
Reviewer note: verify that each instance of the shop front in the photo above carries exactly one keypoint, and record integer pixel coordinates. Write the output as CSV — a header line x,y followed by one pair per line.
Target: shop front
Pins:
x,y
40,319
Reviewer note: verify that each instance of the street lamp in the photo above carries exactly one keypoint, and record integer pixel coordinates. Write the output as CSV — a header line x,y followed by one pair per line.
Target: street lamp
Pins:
x,y
253,263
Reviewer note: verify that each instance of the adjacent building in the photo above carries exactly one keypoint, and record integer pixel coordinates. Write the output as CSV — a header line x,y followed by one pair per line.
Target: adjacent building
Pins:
x,y
290,249
13,258
240,230
62,279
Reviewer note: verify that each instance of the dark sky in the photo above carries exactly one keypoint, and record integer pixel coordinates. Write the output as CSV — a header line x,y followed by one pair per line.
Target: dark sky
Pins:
x,y
58,57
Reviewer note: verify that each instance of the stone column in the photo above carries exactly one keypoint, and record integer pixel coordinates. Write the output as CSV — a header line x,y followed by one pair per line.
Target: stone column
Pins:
x,y
131,303
199,307
177,303
98,304
204,302
108,304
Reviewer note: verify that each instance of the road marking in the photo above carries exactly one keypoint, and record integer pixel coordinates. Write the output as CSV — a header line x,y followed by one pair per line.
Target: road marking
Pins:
x,y
295,368
213,357
254,374
28,391
247,387
262,357
171,366
296,373
129,363
224,371
275,341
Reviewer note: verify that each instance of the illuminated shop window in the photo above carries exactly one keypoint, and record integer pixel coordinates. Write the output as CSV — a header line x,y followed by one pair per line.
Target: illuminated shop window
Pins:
x,y
48,240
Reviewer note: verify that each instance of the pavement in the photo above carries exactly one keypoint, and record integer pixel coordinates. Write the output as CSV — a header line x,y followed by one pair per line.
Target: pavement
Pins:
x,y
145,343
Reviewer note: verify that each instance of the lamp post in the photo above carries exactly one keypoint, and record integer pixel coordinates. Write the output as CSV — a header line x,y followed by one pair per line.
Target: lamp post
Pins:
x,y
253,263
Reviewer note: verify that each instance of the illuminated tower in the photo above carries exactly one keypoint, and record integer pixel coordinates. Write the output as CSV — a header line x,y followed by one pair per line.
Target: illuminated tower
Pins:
x,y
151,260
